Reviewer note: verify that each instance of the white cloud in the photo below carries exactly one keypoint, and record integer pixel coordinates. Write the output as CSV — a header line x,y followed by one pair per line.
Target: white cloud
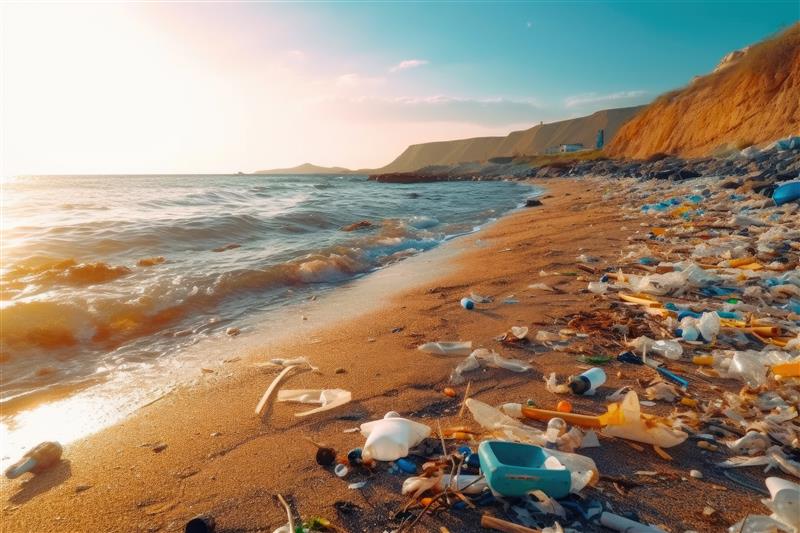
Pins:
x,y
595,98
357,80
407,64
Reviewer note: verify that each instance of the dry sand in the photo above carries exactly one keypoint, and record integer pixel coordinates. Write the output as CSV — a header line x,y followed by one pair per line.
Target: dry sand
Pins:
x,y
222,460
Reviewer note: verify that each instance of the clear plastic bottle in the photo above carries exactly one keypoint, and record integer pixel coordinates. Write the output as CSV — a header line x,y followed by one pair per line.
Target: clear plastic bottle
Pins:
x,y
555,428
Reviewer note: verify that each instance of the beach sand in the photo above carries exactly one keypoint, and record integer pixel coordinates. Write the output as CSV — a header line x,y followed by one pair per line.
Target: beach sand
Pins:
x,y
220,459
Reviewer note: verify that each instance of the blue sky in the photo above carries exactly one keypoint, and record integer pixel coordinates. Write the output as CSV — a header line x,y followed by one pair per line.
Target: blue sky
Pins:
x,y
210,87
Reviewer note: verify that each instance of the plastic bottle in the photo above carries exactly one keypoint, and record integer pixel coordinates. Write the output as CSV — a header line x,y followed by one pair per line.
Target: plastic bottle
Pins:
x,y
467,303
43,456
669,349
555,428
587,382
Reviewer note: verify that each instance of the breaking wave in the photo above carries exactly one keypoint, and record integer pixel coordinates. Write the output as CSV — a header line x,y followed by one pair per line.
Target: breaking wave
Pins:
x,y
140,267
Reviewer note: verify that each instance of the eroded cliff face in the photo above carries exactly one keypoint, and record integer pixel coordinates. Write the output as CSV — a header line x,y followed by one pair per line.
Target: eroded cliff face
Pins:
x,y
753,96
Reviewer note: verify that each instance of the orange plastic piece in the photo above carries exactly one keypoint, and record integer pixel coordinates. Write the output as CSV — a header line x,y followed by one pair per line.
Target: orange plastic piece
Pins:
x,y
703,360
733,263
647,302
450,393
791,369
544,415
564,407
689,402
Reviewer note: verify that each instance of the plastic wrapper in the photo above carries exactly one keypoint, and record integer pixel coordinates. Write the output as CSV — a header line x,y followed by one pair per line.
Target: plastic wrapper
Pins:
x,y
626,421
447,348
483,357
327,398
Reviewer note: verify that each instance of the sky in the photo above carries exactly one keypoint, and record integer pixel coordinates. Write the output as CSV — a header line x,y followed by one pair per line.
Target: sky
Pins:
x,y
115,88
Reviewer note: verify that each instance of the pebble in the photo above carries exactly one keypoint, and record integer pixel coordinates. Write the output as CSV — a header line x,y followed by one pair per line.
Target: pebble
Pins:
x,y
232,332
696,474
81,488
340,370
159,447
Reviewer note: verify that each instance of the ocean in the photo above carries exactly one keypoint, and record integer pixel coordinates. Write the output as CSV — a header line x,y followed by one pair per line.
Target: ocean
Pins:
x,y
109,277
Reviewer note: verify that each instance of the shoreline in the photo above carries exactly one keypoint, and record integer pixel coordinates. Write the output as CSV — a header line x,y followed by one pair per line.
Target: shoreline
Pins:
x,y
103,403
222,460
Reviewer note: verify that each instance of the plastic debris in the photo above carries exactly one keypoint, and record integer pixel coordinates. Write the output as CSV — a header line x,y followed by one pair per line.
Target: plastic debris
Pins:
x,y
486,358
625,420
327,398
39,459
392,437
447,348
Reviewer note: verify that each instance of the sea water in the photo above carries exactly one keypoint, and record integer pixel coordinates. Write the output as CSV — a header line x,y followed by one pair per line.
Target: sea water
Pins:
x,y
106,276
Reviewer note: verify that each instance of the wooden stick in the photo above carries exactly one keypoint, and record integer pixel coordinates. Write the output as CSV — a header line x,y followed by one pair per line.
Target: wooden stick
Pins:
x,y
441,436
262,403
464,402
491,522
288,510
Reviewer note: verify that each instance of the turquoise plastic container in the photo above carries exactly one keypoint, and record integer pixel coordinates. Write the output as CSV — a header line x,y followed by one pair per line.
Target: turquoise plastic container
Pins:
x,y
514,469
788,192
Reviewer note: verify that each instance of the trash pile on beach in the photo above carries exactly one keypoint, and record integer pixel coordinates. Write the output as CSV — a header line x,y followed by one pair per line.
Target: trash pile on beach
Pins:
x,y
707,291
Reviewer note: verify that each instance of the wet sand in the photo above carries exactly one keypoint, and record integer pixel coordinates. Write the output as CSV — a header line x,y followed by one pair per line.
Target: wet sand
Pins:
x,y
221,459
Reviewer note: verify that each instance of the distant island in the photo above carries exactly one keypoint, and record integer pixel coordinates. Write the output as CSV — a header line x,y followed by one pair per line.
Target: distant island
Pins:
x,y
306,168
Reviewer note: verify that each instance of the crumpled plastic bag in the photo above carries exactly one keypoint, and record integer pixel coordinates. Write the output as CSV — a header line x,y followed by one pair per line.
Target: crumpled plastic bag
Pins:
x,y
752,443
552,385
626,421
483,357
327,398
705,328
446,348
661,391
668,348
773,458
391,437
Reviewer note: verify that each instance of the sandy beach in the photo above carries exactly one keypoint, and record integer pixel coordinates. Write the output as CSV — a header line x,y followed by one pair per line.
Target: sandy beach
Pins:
x,y
221,459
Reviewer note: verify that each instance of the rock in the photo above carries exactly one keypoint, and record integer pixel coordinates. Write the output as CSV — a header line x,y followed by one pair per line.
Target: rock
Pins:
x,y
81,488
363,224
340,370
696,474
730,184
685,174
533,202
232,331
159,447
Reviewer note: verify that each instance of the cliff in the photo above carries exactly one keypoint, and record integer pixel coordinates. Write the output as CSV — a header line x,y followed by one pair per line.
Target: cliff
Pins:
x,y
752,97
532,141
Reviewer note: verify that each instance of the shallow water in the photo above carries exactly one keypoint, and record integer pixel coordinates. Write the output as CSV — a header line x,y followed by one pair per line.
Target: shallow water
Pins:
x,y
106,275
